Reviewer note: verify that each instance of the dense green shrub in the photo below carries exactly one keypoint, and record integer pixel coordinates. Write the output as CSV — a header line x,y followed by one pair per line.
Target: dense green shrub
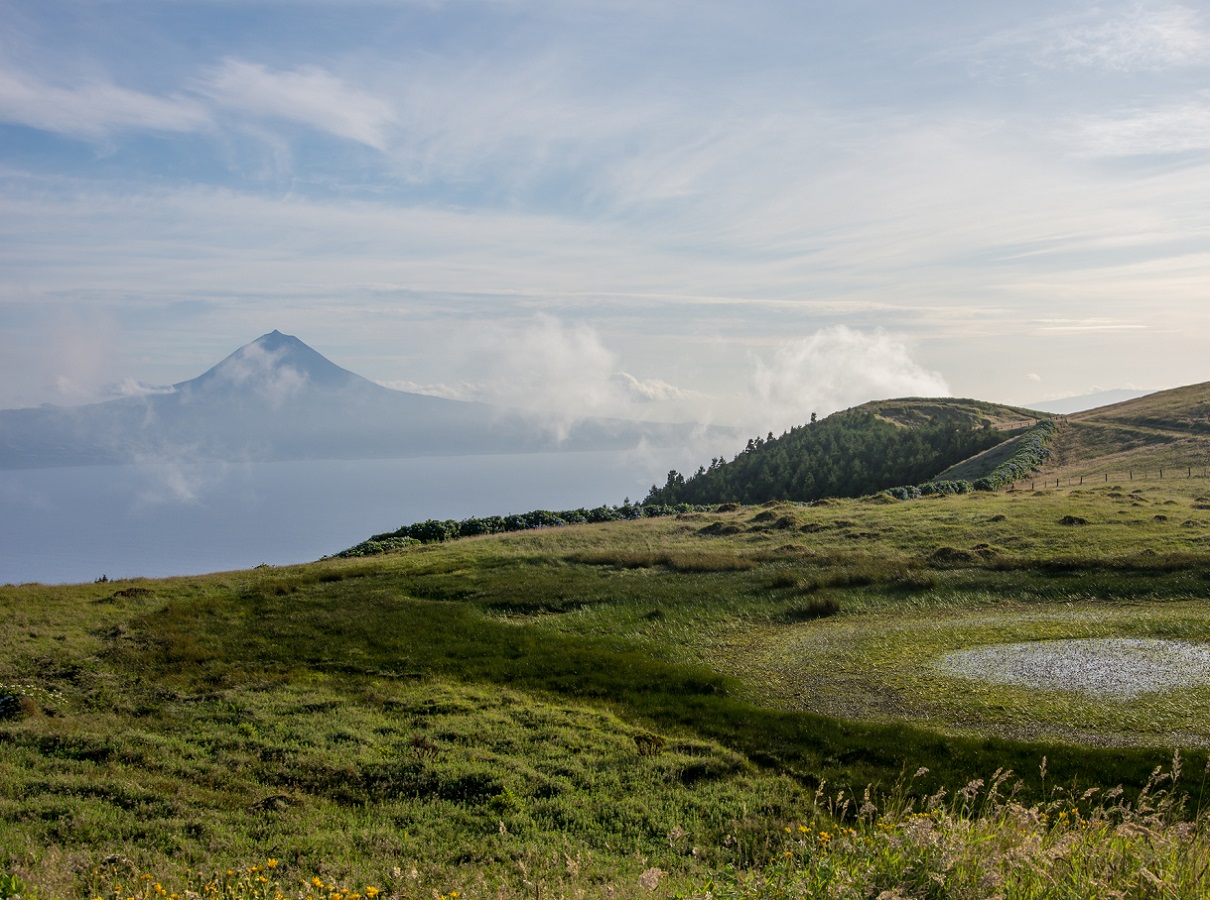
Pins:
x,y
1032,451
433,531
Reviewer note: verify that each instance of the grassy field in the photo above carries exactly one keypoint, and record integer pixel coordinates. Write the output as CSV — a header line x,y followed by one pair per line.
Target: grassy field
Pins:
x,y
611,709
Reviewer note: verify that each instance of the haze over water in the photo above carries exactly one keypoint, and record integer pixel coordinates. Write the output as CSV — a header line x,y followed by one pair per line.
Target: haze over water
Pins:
x,y
76,524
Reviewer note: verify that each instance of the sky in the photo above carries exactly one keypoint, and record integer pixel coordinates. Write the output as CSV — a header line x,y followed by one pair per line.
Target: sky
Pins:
x,y
729,212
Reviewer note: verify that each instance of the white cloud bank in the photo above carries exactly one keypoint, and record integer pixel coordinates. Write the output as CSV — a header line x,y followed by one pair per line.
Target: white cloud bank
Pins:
x,y
560,374
833,369
557,373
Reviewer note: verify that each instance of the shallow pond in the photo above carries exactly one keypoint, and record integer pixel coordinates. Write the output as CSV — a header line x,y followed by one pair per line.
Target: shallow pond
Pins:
x,y
1110,668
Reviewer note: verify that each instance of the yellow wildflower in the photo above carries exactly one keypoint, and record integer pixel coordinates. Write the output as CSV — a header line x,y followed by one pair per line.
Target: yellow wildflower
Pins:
x,y
372,891
271,864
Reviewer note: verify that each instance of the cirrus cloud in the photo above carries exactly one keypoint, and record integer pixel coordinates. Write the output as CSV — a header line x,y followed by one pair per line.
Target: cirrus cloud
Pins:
x,y
308,95
1139,39
95,109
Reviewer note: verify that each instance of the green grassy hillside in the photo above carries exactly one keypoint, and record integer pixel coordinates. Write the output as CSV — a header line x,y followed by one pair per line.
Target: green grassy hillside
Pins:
x,y
1167,429
569,710
915,412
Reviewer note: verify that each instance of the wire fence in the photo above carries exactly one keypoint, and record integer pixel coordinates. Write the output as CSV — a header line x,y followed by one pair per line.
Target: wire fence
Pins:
x,y
1163,473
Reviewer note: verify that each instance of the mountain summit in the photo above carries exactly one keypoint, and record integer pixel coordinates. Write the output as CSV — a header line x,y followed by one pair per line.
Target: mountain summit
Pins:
x,y
276,399
274,364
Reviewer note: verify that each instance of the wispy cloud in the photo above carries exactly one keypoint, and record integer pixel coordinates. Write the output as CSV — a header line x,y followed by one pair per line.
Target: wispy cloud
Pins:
x,y
131,387
94,110
652,390
309,95
461,391
97,109
1141,37
1097,325
1166,129
1114,37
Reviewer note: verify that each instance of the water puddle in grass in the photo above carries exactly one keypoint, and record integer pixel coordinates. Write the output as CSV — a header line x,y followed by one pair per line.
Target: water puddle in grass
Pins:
x,y
1112,668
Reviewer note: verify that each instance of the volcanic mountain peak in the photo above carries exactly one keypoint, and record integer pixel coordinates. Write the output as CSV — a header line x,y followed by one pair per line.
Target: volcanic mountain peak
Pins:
x,y
276,365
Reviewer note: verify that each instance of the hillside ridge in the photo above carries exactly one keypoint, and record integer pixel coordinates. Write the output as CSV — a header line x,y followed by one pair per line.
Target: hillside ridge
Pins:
x,y
866,449
1164,430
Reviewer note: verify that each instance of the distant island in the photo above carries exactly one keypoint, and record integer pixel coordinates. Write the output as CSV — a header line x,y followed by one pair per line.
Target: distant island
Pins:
x,y
278,399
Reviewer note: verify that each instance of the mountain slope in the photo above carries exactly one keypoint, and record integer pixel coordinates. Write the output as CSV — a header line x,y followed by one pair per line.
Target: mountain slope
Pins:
x,y
272,362
276,399
1166,429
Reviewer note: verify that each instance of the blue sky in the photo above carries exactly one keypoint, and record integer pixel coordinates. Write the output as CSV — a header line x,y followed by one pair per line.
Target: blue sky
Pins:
x,y
712,210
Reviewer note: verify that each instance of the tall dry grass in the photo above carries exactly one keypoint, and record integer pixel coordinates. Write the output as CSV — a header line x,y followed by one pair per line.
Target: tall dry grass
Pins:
x,y
980,843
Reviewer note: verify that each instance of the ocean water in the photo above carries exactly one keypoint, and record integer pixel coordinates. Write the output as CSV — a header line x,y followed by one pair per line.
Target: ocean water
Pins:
x,y
77,524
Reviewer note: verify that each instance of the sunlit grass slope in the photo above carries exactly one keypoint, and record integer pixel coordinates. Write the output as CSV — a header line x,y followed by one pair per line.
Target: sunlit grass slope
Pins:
x,y
574,708
1168,429
912,412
